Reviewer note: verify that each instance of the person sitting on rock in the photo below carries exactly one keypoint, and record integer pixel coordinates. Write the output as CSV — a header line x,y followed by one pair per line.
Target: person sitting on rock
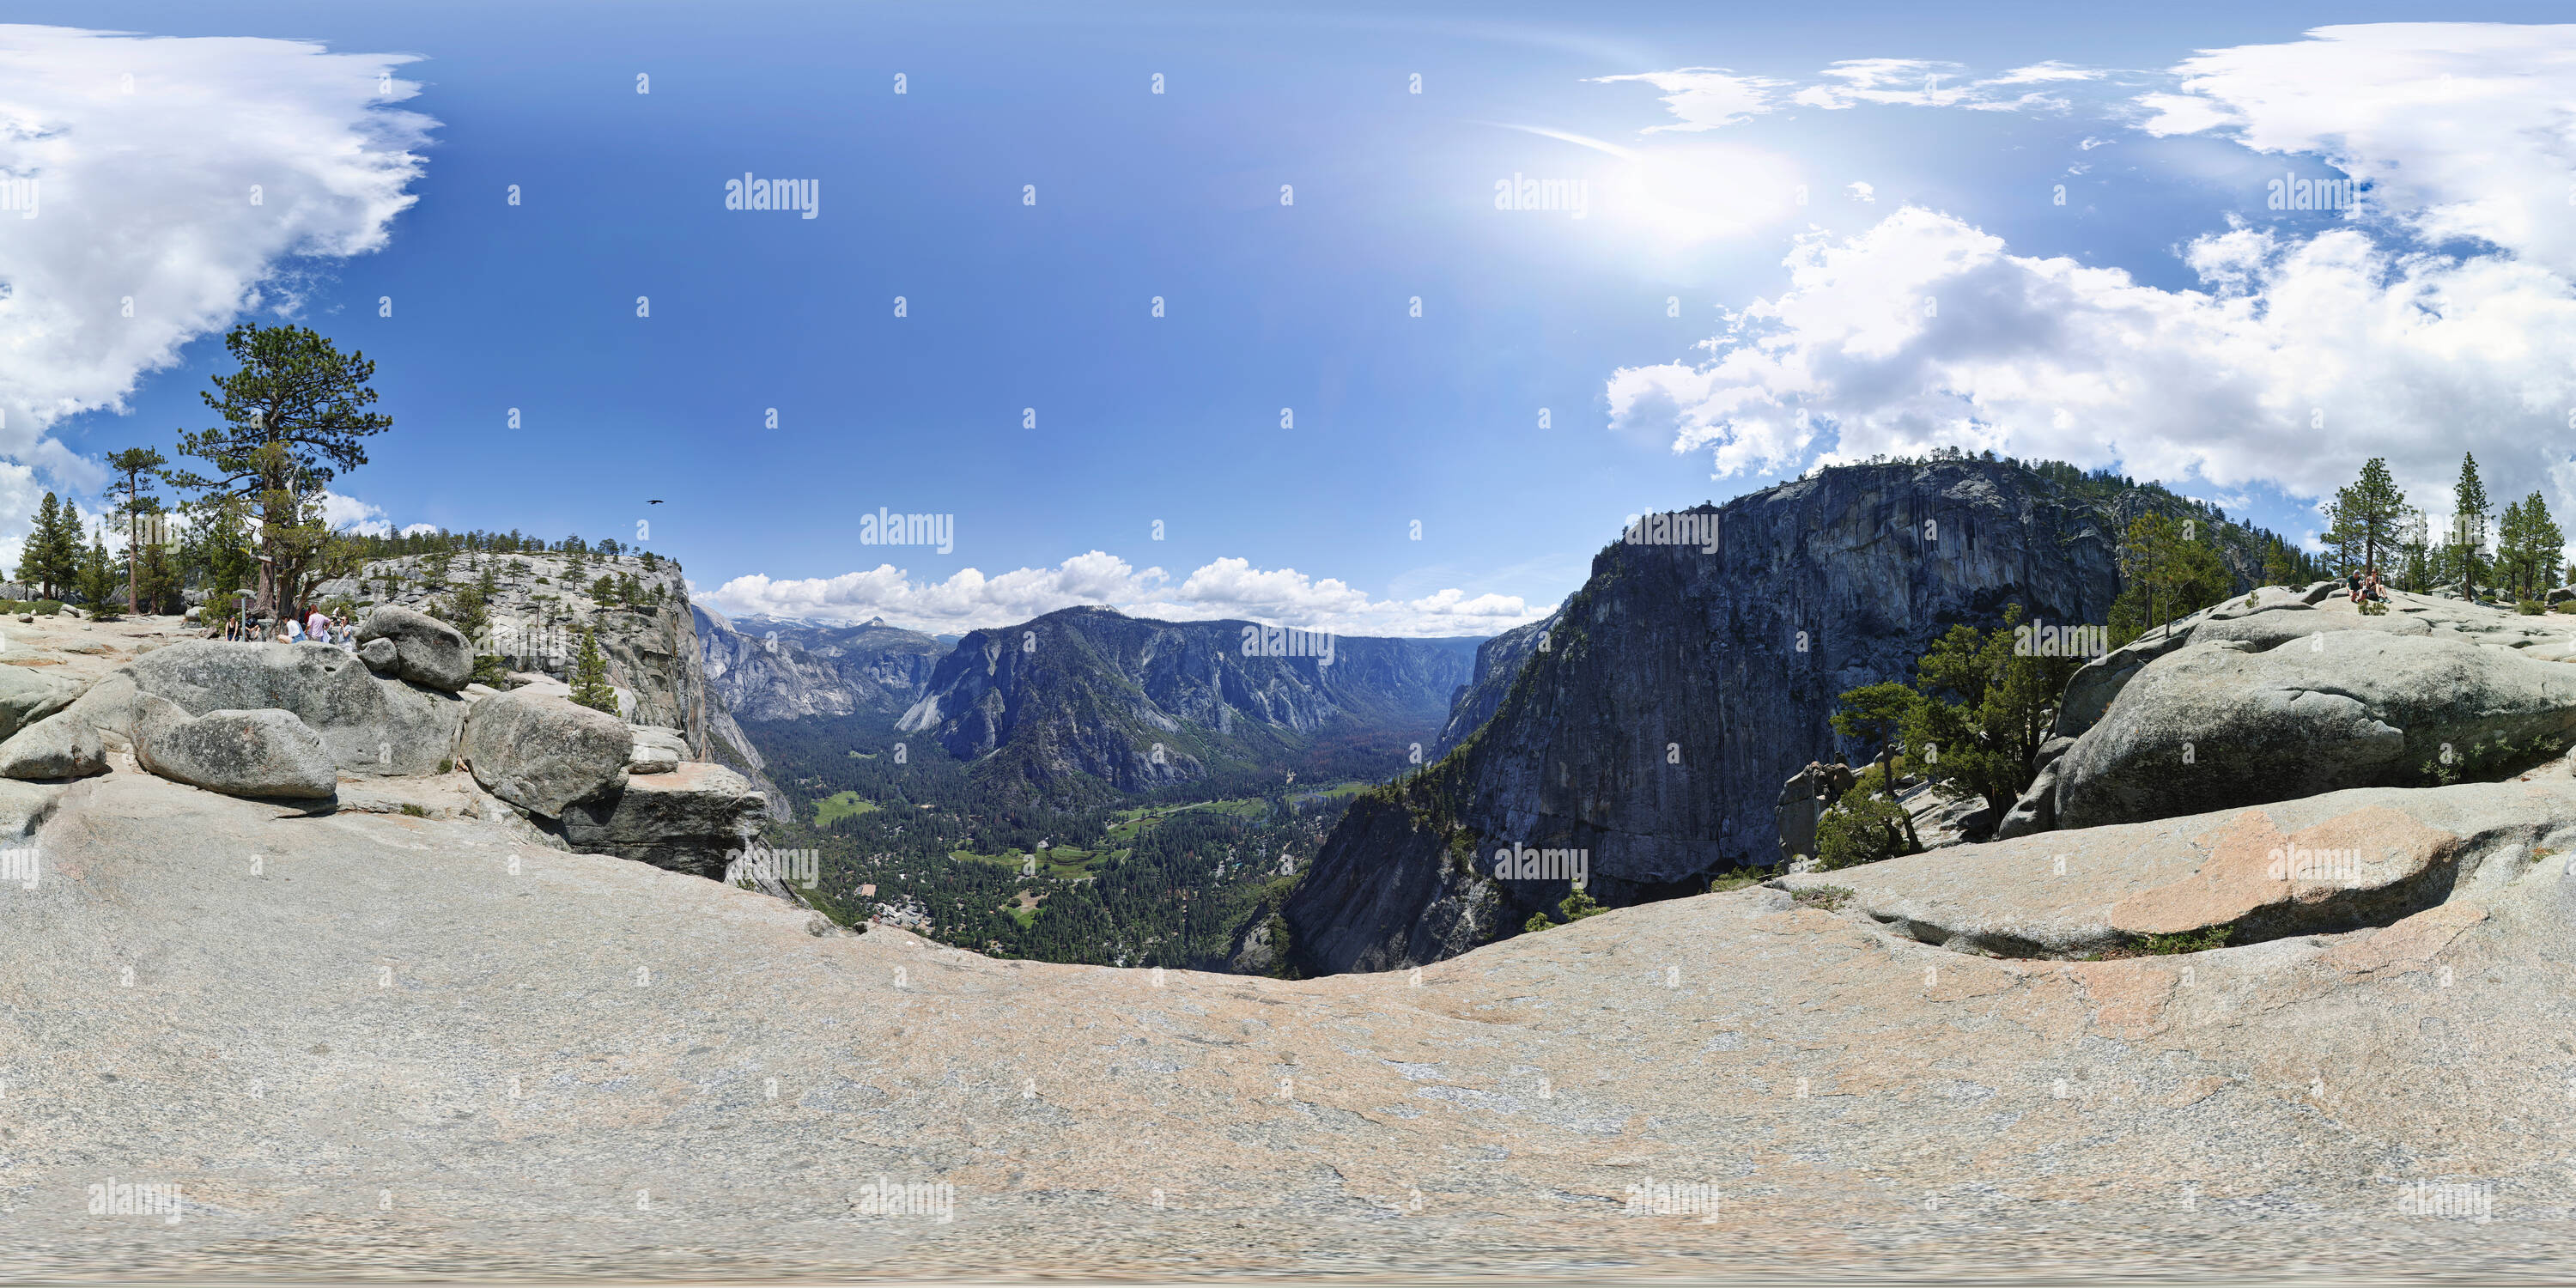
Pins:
x,y
2370,587
2352,586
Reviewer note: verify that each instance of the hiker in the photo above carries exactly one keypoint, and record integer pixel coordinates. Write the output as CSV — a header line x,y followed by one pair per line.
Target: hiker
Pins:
x,y
2370,588
2352,586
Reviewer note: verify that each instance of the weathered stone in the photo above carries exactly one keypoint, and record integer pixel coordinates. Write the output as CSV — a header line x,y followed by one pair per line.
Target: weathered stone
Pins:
x,y
53,749
426,650
2213,726
657,750
2334,862
543,753
691,818
264,753
381,655
28,695
371,724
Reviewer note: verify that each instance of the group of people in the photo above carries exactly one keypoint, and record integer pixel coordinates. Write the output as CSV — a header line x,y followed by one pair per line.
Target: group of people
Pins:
x,y
2364,585
313,626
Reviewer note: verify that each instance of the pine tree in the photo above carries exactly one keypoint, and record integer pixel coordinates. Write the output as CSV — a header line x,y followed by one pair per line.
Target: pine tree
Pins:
x,y
2528,542
141,467
604,591
294,419
2374,508
36,558
2469,528
97,575
2279,568
590,685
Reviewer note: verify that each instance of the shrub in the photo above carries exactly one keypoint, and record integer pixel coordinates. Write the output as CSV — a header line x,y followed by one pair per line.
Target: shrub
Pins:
x,y
1574,907
1737,879
2564,606
2185,942
2531,608
414,810
1864,826
2373,607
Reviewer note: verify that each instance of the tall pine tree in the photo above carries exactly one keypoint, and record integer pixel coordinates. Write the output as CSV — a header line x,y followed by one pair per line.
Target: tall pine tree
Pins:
x,y
590,685
2375,511
2468,555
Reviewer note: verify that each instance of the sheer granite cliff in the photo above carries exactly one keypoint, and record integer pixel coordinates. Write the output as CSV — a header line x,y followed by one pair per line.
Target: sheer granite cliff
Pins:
x,y
773,670
1679,688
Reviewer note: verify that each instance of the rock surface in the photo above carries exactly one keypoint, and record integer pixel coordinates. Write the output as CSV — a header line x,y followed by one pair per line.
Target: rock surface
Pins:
x,y
762,669
53,749
371,725
656,750
427,651
28,695
406,1048
264,753
692,818
543,753
2213,725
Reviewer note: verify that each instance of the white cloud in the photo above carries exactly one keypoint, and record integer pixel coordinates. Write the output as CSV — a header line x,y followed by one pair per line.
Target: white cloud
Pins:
x,y
146,195
1708,98
349,514
1224,588
1861,191
419,529
2460,129
2296,361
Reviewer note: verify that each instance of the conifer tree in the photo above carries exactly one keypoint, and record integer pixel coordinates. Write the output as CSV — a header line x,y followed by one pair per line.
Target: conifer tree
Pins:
x,y
2374,508
2468,554
141,467
36,559
590,685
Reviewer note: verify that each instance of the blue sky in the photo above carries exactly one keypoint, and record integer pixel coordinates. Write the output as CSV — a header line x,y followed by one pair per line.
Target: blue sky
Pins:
x,y
2217,361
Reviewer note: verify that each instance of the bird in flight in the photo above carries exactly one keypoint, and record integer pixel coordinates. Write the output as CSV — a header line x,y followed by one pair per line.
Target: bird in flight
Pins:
x,y
655,502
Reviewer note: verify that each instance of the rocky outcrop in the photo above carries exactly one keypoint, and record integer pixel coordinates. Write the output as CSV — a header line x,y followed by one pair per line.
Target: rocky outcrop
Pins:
x,y
690,818
656,750
543,753
2218,725
51,749
1681,688
426,651
1086,700
539,606
27,696
2319,864
370,724
265,753
2328,697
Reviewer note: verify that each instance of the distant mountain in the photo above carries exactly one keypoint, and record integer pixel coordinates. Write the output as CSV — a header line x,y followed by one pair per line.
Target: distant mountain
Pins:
x,y
769,669
1085,701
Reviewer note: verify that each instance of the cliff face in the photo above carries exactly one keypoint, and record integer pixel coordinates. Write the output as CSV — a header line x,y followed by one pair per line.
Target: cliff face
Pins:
x,y
540,605
1498,663
770,670
1091,694
1679,688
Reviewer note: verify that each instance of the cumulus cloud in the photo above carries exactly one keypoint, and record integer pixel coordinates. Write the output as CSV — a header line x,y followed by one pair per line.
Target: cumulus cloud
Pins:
x,y
2294,362
1861,191
1224,588
2460,130
349,514
1709,98
419,529
142,156
2442,320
